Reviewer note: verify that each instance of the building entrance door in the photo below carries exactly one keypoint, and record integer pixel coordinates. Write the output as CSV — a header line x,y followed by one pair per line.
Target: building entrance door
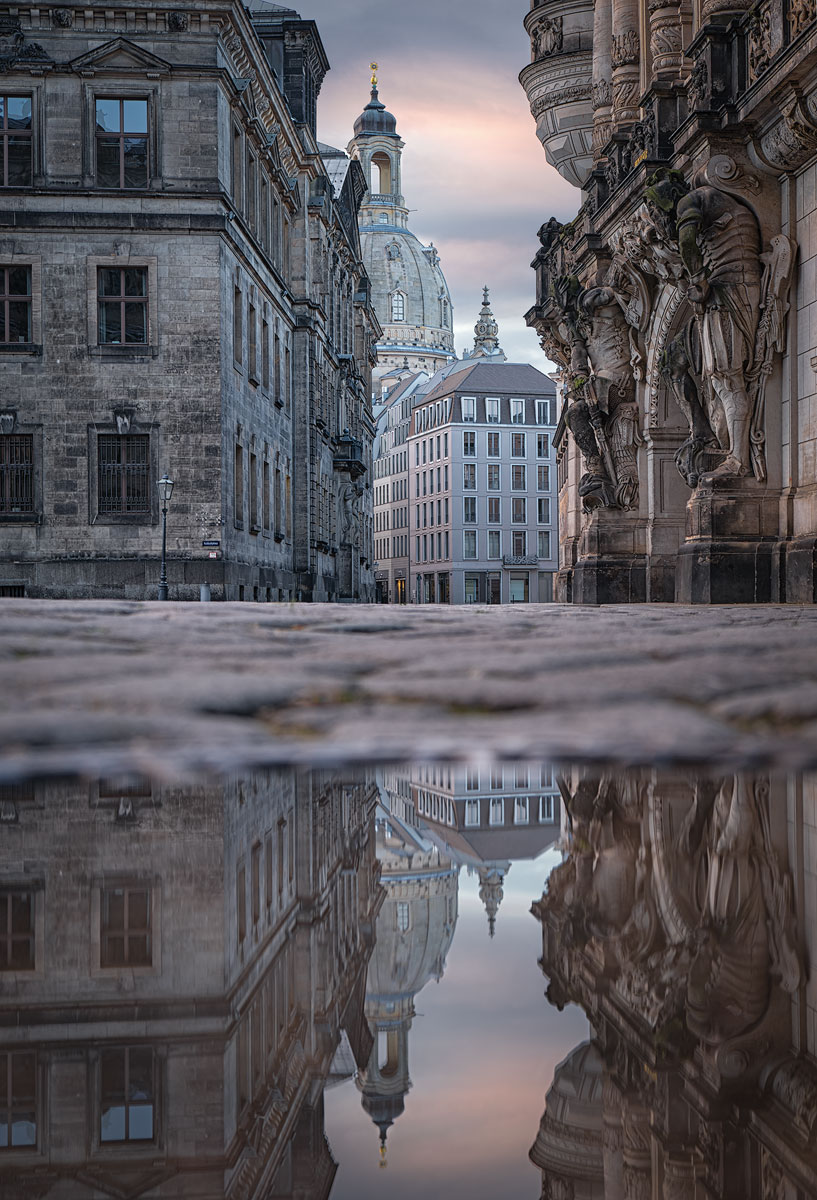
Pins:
x,y
494,589
519,589
400,591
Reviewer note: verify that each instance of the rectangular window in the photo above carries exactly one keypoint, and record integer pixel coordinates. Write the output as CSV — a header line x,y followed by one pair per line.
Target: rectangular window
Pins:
x,y
469,543
237,166
253,481
425,449
238,326
472,779
446,544
542,445
417,455
265,495
18,1100
497,779
518,412
494,544
546,809
238,484
469,408
265,355
492,411
520,811
518,479
520,543
16,473
16,135
446,510
263,212
123,473
425,547
252,176
496,815
253,344
16,931
493,477
122,306
543,547
469,510
418,550
543,477
471,589
543,412
469,476
493,445
125,927
469,444
121,143
255,882
439,545
494,510
15,305
518,445
445,445
403,914
543,510
126,1095
521,777
518,510
241,901
445,477
472,812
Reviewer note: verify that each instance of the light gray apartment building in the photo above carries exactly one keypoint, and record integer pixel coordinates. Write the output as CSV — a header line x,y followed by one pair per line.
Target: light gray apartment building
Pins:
x,y
391,487
483,519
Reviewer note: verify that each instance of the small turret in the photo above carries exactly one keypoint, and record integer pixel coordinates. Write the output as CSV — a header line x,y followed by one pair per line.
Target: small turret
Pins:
x,y
486,334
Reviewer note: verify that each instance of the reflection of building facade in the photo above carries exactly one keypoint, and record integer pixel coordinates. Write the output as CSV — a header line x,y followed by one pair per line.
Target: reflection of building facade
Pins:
x,y
177,969
673,922
687,470
415,927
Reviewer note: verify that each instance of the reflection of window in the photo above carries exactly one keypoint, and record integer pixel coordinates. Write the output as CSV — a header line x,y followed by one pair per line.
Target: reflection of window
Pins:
x,y
398,307
18,1094
497,779
520,812
16,931
122,305
472,812
121,143
521,777
472,780
125,916
15,141
126,1095
497,813
403,919
545,808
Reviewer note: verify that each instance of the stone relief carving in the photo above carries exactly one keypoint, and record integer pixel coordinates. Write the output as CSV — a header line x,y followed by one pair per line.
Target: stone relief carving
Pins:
x,y
63,17
801,15
626,48
601,94
793,139
546,37
15,48
697,84
760,42
568,95
177,22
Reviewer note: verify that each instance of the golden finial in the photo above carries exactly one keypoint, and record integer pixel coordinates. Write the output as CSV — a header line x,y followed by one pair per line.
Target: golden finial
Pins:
x,y
374,74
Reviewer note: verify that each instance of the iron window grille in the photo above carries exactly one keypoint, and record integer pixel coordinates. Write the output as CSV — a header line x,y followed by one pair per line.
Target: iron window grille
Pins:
x,y
123,473
121,143
16,473
17,142
15,305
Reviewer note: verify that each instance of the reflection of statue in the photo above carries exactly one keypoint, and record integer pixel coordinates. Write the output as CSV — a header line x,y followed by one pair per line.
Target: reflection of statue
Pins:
x,y
603,417
350,497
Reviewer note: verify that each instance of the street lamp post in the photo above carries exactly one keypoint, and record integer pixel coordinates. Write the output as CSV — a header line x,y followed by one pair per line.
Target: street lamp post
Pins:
x,y
165,486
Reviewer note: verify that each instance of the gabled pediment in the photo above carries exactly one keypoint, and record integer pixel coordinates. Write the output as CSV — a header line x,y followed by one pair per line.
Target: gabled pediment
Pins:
x,y
120,56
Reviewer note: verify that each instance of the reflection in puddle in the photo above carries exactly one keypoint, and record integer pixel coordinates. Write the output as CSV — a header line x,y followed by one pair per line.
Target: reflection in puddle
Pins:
x,y
186,972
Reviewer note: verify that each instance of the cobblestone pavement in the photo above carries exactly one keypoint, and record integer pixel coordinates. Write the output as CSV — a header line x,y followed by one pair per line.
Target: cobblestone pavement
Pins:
x,y
171,688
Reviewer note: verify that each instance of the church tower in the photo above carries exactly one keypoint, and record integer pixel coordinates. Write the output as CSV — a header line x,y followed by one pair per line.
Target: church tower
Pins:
x,y
409,293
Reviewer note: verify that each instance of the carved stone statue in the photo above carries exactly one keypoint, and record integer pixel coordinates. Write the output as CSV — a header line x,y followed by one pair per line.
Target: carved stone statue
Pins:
x,y
603,414
350,495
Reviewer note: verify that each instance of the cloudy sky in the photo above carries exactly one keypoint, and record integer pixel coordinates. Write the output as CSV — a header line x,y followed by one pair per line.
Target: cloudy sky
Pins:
x,y
474,173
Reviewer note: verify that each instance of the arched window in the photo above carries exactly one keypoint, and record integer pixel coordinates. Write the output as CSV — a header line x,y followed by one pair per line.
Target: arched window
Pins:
x,y
398,307
381,173
383,218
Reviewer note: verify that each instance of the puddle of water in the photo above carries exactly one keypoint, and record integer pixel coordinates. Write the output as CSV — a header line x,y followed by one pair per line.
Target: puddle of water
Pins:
x,y
314,983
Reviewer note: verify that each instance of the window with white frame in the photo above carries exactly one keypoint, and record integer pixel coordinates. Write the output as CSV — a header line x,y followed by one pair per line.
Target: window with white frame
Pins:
x,y
520,811
469,543
472,812
496,815
542,412
493,445
497,779
542,445
472,779
494,510
546,809
518,510
398,306
469,408
519,481
469,510
493,477
543,510
403,916
518,412
469,477
543,543
518,449
469,443
543,477
494,543
492,410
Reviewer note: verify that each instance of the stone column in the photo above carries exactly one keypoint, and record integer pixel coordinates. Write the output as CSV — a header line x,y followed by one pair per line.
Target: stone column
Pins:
x,y
666,39
625,62
602,86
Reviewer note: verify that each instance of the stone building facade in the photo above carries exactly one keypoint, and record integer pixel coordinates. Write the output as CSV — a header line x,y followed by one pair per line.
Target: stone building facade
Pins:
x,y
409,291
677,304
184,963
183,293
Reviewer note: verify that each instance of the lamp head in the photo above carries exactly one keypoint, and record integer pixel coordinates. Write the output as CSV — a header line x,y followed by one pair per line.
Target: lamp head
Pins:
x,y
165,486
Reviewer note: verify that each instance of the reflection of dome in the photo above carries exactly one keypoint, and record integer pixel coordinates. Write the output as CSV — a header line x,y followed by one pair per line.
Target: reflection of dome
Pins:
x,y
569,1143
376,119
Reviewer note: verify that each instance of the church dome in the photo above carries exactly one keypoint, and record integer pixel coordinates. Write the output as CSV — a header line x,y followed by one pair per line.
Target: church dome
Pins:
x,y
376,119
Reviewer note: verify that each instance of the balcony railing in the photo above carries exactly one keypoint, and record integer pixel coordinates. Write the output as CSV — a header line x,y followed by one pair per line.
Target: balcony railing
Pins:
x,y
520,560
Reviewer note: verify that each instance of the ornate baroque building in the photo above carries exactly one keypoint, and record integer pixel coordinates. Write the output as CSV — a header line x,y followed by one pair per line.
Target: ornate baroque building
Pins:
x,y
677,304
182,291
409,292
